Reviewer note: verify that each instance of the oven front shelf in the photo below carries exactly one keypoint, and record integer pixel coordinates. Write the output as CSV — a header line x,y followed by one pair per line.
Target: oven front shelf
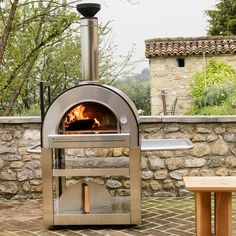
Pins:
x,y
88,140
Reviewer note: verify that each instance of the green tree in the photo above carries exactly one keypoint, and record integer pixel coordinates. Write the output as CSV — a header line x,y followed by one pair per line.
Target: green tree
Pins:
x,y
35,27
39,40
137,87
7,26
222,19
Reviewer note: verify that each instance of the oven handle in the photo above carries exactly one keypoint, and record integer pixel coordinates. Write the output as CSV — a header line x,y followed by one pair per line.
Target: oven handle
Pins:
x,y
33,149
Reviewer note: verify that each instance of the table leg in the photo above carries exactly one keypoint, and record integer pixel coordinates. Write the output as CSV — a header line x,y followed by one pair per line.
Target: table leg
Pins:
x,y
203,213
223,214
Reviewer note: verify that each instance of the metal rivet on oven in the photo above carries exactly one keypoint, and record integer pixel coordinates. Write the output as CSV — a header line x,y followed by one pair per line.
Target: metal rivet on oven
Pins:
x,y
123,119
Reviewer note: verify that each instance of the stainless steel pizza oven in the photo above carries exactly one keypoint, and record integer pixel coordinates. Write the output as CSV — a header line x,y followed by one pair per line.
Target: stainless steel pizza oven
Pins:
x,y
97,116
92,115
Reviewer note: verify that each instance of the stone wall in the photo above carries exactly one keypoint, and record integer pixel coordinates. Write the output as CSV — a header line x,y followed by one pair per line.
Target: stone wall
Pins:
x,y
214,151
214,140
176,81
20,172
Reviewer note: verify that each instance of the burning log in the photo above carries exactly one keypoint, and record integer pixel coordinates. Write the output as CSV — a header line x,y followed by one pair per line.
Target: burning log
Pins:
x,y
81,125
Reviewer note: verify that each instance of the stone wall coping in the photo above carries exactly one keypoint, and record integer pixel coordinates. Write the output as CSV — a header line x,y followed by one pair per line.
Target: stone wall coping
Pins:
x,y
149,119
19,119
142,119
187,119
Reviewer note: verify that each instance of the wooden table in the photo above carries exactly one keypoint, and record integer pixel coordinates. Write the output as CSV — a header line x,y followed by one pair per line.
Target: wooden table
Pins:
x,y
222,187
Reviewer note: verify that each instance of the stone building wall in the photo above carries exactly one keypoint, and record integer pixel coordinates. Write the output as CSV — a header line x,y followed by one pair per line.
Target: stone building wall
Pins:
x,y
167,75
214,153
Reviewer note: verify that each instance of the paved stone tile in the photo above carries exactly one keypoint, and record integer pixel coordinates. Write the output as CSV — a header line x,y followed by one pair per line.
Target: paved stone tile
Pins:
x,y
179,221
91,233
133,232
145,226
160,217
168,215
186,226
113,233
148,215
154,232
25,233
70,233
166,227
179,232
4,233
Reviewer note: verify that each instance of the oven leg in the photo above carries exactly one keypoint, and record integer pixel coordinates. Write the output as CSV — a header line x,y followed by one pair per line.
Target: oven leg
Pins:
x,y
47,179
60,182
135,185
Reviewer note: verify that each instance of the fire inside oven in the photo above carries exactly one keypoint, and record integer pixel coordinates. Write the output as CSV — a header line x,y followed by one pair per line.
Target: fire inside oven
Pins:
x,y
90,117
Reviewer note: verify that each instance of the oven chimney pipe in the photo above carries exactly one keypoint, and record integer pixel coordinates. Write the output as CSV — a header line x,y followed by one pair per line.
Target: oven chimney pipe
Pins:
x,y
89,40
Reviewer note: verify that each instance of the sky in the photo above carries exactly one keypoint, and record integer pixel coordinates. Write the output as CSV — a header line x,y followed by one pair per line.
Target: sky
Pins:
x,y
132,24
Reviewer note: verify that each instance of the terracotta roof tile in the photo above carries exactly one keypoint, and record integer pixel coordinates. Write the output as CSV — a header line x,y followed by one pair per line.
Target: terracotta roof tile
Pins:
x,y
167,47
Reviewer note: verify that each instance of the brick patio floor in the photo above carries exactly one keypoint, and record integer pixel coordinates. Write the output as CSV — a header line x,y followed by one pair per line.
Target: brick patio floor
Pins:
x,y
160,217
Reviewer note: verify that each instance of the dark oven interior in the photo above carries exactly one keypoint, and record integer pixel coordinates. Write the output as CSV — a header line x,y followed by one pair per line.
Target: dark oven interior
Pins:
x,y
89,117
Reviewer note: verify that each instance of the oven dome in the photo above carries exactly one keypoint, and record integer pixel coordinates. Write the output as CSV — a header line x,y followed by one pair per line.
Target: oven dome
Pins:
x,y
119,112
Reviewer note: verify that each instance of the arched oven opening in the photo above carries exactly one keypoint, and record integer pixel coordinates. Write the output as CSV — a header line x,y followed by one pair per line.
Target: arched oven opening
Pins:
x,y
89,117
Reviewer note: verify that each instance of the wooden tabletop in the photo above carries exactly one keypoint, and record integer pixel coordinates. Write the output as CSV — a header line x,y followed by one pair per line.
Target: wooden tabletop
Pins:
x,y
211,183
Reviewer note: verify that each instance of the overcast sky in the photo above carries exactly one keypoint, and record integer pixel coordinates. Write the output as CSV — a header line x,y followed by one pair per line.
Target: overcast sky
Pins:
x,y
134,23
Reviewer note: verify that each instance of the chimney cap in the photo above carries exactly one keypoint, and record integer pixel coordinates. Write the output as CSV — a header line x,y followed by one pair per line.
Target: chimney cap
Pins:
x,y
88,10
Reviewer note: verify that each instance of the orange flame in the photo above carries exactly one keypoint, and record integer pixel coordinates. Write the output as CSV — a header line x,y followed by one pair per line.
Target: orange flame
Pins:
x,y
78,113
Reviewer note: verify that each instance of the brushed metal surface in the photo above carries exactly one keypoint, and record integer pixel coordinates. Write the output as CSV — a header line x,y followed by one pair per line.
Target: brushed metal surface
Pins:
x,y
92,219
92,172
89,48
47,182
165,144
88,140
71,200
59,162
135,186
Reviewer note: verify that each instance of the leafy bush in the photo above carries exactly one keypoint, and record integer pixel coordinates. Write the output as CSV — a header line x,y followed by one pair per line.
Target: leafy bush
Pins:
x,y
213,91
216,110
215,73
227,107
217,93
